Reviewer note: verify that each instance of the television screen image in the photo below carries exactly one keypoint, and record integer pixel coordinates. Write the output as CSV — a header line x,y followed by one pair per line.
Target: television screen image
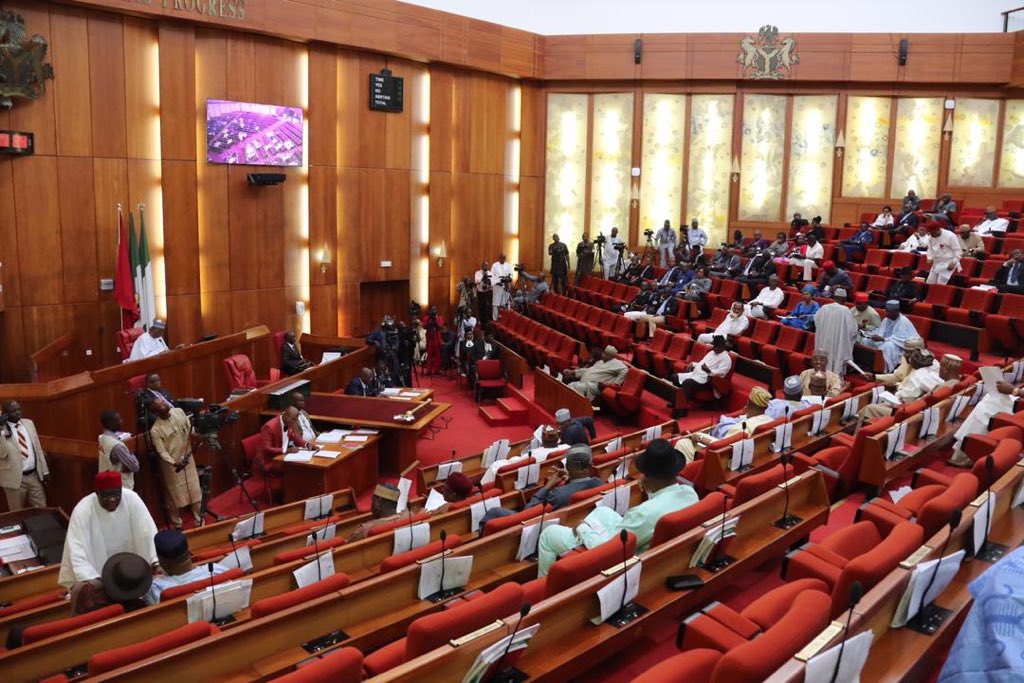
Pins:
x,y
253,134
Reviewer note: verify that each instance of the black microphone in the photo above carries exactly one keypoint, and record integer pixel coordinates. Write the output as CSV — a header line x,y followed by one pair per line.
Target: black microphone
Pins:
x,y
990,466
536,544
410,528
786,521
316,548
856,592
234,549
721,541
450,461
623,538
444,537
954,522
523,611
213,590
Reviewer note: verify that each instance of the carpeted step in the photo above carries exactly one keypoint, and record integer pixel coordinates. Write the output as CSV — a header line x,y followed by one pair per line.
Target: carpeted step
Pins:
x,y
496,416
515,407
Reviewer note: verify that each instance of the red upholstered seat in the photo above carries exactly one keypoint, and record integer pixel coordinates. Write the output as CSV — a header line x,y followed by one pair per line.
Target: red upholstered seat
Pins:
x,y
678,523
306,525
575,567
754,485
489,377
937,300
18,606
589,493
344,665
276,603
625,400
857,553
123,656
239,372
507,522
50,629
973,307
1005,450
193,586
219,551
307,550
929,506
126,340
390,564
977,446
836,463
136,383
436,629
1005,326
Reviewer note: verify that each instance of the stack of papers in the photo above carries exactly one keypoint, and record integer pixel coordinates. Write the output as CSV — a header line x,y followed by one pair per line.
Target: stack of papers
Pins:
x,y
434,500
611,596
217,602
712,537
411,537
318,506
617,499
391,392
250,527
16,549
317,570
854,653
530,537
300,456
914,597
507,647
742,455
356,438
456,575
333,436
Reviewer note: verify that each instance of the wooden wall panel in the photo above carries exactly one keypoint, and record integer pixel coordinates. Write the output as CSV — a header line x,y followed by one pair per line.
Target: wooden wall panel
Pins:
x,y
107,85
109,188
78,228
141,94
39,248
38,116
177,91
181,227
10,256
71,92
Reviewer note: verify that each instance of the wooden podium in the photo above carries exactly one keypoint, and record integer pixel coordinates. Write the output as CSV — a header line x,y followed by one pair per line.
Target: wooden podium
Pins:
x,y
355,466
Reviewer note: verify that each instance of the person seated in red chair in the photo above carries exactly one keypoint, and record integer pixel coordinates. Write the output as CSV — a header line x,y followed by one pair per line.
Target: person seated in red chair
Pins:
x,y
363,384
292,361
176,562
607,370
152,343
716,363
457,487
383,509
658,465
281,435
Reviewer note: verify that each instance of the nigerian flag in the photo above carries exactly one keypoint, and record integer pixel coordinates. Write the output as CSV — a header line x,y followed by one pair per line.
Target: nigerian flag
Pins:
x,y
142,268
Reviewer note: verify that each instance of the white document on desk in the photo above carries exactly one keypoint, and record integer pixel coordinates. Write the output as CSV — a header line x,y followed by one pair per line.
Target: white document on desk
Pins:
x,y
250,527
929,423
434,500
611,596
330,455
358,438
332,437
391,391
820,420
983,520
613,445
530,537
329,356
366,430
501,649
742,455
445,469
299,456
1015,373
783,437
621,470
477,510
228,597
1018,497
617,499
411,537
960,402
317,570
896,438
403,494
855,651
849,408
527,476
456,575
652,433
16,549
913,597
239,557
322,533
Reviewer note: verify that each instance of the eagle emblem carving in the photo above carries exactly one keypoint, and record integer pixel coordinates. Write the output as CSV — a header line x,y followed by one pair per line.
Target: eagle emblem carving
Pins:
x,y
766,56
23,69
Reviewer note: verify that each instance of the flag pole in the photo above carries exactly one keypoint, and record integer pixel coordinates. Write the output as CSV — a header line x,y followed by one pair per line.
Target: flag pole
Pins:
x,y
120,232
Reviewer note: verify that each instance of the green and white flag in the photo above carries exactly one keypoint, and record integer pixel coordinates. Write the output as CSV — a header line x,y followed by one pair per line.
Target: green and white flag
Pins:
x,y
142,267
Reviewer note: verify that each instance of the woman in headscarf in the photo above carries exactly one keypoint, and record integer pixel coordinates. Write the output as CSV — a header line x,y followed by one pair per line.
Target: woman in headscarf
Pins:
x,y
802,316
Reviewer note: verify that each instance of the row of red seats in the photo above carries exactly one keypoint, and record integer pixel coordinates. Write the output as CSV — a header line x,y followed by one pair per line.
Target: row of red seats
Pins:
x,y
604,293
591,324
538,343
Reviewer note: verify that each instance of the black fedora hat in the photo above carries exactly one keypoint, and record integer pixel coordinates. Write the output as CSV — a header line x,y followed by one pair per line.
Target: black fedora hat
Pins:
x,y
660,460
126,576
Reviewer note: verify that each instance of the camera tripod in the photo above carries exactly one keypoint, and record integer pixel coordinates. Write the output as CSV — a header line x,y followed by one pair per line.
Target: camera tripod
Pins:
x,y
650,253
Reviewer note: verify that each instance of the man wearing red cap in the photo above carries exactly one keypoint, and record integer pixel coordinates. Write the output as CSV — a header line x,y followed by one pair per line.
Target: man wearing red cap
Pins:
x,y
867,318
112,520
833,278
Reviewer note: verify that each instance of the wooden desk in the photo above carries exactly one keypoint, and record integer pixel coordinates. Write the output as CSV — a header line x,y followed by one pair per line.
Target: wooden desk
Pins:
x,y
397,439
551,394
354,467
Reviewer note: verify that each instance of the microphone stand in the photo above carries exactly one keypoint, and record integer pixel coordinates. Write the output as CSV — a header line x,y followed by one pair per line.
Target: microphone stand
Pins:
x,y
930,616
512,674
856,592
719,561
532,557
989,551
787,521
627,611
443,594
227,618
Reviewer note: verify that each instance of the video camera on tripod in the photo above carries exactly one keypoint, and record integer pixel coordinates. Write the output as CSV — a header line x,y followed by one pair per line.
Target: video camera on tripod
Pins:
x,y
649,234
600,240
209,423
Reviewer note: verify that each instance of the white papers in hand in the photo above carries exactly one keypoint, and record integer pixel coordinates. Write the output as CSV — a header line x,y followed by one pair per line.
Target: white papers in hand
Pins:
x,y
477,510
913,598
890,398
855,652
899,493
617,499
318,569
456,575
530,537
229,597
434,500
250,527
321,534
239,557
742,455
527,476
318,506
446,468
411,537
983,520
990,376
403,493
611,596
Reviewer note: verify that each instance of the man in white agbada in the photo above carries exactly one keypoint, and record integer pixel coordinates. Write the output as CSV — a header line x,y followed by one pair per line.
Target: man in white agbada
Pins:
x,y
500,293
610,255
607,370
658,465
766,301
734,324
943,255
715,363
923,378
549,443
991,223
151,343
112,520
835,332
892,336
991,404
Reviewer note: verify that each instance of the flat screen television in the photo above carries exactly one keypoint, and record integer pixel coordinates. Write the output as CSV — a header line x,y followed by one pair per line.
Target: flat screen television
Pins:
x,y
252,134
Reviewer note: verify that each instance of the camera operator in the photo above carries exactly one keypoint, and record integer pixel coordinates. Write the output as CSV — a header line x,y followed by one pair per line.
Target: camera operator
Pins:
x,y
666,240
613,249
114,454
482,278
467,294
433,323
23,467
401,370
501,281
536,292
584,259
170,437
387,340
559,254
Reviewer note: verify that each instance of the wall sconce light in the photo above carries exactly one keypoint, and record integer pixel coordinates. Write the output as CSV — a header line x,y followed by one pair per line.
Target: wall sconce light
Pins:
x,y
325,259
634,195
735,169
441,253
947,127
840,144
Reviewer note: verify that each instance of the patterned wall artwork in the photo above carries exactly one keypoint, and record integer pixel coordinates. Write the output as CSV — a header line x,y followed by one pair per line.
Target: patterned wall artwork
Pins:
x,y
812,155
565,187
764,135
867,146
611,160
915,162
708,184
972,155
1011,164
661,167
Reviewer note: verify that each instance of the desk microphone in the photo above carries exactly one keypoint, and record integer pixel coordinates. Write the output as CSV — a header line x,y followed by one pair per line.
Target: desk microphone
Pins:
x,y
721,541
990,466
856,592
954,522
213,590
410,529
444,537
787,520
623,537
234,549
523,611
451,461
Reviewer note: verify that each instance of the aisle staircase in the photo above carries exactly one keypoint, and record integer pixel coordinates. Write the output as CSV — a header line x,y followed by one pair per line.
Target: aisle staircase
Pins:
x,y
511,409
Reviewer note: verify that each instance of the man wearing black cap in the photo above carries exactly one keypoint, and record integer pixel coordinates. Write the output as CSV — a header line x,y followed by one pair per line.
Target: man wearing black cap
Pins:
x,y
904,290
175,559
659,465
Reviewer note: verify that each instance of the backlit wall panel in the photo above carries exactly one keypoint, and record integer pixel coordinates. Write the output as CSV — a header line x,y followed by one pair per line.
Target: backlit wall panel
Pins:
x,y
661,177
972,155
811,155
612,150
565,186
1011,164
867,146
708,183
915,162
764,134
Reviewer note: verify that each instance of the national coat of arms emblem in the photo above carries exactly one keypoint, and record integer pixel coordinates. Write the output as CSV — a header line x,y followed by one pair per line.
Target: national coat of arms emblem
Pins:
x,y
766,56
23,71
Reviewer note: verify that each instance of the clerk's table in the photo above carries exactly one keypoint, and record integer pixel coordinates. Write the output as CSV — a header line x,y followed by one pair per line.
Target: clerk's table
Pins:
x,y
350,462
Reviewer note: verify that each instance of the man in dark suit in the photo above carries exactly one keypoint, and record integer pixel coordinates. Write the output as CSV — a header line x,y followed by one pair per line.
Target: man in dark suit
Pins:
x,y
574,430
363,384
292,361
1009,279
904,290
479,347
